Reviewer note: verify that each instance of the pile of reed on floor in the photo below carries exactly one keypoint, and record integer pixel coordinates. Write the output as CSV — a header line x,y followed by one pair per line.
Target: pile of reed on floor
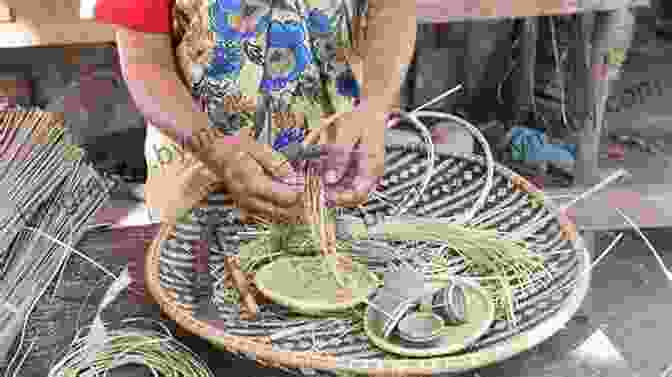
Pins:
x,y
48,195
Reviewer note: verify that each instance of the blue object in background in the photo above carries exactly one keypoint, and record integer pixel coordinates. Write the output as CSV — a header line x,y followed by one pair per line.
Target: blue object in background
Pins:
x,y
288,136
528,144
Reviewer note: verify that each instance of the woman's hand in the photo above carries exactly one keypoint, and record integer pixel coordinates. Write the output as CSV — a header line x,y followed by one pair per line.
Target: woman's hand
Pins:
x,y
355,158
261,182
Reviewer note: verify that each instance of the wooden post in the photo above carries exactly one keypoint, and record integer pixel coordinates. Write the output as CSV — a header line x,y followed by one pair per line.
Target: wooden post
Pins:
x,y
481,38
595,36
581,102
592,71
525,81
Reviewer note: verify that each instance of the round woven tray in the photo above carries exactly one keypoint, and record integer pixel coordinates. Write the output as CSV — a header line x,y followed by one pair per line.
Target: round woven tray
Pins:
x,y
457,182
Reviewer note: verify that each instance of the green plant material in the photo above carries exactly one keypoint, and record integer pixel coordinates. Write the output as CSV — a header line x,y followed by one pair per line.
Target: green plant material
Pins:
x,y
311,109
183,216
425,307
616,56
252,252
231,296
331,263
536,199
296,239
348,374
312,288
158,351
341,104
503,263
282,240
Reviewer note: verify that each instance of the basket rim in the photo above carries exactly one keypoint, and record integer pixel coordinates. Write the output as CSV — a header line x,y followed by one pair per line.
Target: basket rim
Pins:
x,y
264,351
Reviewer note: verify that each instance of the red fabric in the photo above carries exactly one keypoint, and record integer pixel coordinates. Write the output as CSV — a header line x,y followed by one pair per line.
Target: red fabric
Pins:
x,y
150,16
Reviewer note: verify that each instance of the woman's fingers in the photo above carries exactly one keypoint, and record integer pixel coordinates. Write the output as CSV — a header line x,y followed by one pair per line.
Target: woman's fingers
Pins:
x,y
255,209
248,178
369,167
275,163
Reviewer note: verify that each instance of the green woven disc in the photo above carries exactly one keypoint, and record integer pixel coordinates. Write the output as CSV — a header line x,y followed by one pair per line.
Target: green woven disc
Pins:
x,y
305,285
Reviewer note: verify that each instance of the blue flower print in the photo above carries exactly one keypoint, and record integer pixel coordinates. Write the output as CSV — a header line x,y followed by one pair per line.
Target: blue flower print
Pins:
x,y
229,5
317,21
288,136
263,23
225,61
226,21
347,85
268,85
287,49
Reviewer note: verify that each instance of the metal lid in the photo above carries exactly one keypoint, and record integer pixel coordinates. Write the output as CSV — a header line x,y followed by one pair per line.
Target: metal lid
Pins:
x,y
451,303
420,327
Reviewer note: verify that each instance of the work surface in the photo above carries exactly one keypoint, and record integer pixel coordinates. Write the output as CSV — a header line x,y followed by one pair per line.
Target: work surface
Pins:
x,y
582,349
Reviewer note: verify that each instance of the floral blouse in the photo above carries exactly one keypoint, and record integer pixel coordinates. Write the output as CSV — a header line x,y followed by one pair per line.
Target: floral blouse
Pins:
x,y
276,65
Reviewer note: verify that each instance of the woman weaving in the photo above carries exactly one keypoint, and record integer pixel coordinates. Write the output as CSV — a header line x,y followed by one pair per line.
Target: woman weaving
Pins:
x,y
228,68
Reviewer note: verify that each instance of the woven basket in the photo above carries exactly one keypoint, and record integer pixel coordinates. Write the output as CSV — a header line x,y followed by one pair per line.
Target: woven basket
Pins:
x,y
456,183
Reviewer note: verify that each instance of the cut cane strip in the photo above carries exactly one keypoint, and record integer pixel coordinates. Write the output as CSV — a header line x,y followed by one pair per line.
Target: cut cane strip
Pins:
x,y
249,308
175,298
521,184
648,243
568,231
314,136
618,174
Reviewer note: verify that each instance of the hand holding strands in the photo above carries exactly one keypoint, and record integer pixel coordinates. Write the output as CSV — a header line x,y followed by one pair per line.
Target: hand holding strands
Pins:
x,y
324,228
260,181
49,194
234,276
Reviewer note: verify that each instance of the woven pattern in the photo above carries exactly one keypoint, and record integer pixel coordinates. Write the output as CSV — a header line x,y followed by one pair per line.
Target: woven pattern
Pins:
x,y
455,186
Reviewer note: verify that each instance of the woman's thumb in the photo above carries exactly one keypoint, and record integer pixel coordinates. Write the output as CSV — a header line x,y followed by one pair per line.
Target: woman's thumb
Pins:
x,y
275,163
338,160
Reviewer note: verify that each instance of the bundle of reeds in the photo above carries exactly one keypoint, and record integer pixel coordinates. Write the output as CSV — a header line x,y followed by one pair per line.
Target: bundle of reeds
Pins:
x,y
48,195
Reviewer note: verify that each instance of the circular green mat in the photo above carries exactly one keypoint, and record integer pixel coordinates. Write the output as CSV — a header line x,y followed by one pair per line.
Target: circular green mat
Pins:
x,y
306,286
480,313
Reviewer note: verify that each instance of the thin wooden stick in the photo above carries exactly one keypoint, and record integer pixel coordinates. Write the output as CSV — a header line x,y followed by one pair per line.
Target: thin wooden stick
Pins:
x,y
314,135
437,99
248,304
618,174
316,215
648,243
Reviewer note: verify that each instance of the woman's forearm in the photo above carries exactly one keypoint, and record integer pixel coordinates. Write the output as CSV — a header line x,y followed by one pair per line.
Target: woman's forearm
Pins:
x,y
387,50
162,98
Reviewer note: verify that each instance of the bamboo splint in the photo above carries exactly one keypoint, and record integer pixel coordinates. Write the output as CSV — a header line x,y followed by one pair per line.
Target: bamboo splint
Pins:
x,y
248,301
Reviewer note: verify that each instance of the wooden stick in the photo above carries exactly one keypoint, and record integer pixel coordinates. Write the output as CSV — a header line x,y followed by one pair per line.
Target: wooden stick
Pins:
x,y
524,93
315,215
314,135
591,90
248,303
